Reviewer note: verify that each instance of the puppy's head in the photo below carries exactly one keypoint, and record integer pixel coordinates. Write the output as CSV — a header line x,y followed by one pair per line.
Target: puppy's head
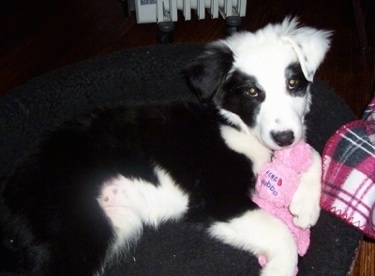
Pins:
x,y
262,79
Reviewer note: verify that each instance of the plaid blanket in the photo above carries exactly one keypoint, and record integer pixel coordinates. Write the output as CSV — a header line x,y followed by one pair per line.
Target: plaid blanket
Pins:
x,y
349,173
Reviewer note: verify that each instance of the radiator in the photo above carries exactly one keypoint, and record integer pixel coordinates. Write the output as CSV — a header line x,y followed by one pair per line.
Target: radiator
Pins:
x,y
148,11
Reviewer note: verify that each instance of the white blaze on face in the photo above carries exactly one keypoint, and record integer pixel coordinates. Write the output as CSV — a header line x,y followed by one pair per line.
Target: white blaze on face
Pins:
x,y
281,115
265,55
280,111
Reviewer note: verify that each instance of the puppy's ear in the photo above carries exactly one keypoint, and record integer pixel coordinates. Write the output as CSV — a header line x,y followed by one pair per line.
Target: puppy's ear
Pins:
x,y
311,45
209,70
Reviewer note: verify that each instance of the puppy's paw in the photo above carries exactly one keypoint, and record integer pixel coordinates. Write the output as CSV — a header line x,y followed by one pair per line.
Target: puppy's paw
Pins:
x,y
305,204
272,270
305,211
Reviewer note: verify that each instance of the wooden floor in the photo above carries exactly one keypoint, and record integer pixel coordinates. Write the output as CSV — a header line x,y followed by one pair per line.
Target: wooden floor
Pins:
x,y
39,36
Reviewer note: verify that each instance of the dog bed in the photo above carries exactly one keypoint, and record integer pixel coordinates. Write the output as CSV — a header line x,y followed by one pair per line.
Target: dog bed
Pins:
x,y
151,75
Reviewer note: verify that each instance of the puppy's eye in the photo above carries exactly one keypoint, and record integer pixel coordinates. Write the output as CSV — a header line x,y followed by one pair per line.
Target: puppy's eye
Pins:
x,y
292,83
252,91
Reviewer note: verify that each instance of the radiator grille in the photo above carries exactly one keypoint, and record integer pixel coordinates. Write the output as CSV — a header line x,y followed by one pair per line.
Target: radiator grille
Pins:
x,y
148,11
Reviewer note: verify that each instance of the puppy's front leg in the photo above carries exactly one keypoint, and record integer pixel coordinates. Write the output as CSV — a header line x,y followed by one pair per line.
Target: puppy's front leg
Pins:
x,y
261,234
305,205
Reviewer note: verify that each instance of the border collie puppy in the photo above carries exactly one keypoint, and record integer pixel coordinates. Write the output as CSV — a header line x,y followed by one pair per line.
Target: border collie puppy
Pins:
x,y
85,193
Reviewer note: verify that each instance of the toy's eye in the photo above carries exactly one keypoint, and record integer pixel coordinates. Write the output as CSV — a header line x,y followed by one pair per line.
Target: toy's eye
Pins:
x,y
292,83
253,92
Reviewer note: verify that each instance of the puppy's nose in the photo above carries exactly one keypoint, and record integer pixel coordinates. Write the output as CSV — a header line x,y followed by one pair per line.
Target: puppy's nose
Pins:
x,y
283,138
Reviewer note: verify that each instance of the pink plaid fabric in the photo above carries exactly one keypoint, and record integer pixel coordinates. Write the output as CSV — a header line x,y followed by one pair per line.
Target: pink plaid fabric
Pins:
x,y
349,173
369,116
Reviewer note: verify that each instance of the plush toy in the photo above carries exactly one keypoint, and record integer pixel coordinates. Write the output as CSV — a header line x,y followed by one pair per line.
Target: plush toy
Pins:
x,y
276,184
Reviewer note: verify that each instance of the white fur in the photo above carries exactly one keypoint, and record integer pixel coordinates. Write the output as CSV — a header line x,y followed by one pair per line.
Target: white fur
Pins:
x,y
262,234
247,144
305,205
266,54
131,203
310,45
244,142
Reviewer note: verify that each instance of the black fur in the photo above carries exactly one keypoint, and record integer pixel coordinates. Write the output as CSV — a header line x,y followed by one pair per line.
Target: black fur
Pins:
x,y
236,96
52,215
207,73
294,71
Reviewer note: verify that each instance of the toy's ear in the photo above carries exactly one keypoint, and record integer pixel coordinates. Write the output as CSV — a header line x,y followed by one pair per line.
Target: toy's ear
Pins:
x,y
209,70
311,45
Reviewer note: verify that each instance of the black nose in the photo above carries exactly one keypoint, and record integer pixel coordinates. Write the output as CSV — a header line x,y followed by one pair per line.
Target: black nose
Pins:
x,y
283,138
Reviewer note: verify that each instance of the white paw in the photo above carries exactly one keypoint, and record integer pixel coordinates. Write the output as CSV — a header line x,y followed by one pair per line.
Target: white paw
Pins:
x,y
279,270
305,210
305,204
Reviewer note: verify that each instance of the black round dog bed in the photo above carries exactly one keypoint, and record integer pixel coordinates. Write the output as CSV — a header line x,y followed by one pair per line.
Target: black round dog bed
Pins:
x,y
149,75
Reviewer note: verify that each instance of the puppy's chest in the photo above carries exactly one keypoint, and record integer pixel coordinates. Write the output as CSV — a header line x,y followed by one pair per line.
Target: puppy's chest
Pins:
x,y
245,143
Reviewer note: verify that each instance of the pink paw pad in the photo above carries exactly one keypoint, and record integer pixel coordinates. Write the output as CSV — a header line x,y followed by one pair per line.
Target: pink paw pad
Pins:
x,y
112,197
262,260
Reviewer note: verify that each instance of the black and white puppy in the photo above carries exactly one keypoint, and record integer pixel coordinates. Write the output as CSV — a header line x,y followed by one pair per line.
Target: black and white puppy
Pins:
x,y
89,188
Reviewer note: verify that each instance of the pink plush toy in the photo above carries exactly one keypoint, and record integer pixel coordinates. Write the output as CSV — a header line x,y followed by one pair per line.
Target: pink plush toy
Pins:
x,y
276,184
